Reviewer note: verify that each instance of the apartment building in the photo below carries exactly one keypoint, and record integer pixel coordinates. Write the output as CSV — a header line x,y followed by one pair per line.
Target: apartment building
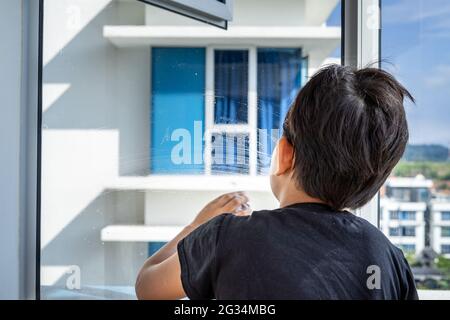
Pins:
x,y
440,226
403,212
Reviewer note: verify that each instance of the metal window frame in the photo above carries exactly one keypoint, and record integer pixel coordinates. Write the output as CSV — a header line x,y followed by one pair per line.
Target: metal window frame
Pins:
x,y
361,47
23,117
213,12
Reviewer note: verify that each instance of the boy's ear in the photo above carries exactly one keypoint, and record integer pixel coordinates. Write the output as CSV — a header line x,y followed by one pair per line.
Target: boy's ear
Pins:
x,y
285,157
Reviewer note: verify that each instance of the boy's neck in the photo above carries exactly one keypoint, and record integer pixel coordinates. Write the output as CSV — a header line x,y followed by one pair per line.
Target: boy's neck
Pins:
x,y
290,197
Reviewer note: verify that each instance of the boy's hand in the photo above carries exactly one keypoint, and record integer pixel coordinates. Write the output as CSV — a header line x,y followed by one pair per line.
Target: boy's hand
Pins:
x,y
234,202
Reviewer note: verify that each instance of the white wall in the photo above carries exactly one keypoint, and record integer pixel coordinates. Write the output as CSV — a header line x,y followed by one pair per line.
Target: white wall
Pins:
x,y
180,207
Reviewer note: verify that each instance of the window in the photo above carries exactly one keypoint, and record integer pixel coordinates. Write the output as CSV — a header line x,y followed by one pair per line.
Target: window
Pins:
x,y
403,215
445,249
231,88
445,232
423,194
239,125
214,12
408,248
394,232
414,42
401,194
147,115
402,232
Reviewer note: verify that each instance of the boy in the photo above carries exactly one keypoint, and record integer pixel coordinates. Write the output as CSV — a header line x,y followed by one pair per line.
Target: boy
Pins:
x,y
341,139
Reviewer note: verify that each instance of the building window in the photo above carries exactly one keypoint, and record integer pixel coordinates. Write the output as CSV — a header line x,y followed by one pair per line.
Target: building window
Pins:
x,y
401,194
402,232
445,231
230,86
408,248
423,194
445,215
281,72
445,249
248,92
409,231
403,215
393,215
394,232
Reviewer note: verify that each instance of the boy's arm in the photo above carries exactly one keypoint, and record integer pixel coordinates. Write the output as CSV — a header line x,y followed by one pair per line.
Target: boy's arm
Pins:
x,y
160,276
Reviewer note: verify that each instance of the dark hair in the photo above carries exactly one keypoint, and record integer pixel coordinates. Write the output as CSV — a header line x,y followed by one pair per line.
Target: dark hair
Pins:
x,y
348,129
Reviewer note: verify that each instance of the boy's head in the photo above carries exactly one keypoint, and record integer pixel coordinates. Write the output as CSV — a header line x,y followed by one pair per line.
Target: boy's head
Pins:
x,y
342,136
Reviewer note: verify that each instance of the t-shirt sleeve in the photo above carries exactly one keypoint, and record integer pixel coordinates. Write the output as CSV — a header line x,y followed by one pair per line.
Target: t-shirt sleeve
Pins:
x,y
197,254
409,291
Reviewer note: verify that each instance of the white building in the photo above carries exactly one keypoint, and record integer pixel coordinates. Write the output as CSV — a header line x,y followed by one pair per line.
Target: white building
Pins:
x,y
403,212
104,193
440,227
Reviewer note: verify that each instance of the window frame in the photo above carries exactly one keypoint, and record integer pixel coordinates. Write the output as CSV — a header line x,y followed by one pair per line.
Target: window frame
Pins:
x,y
360,45
250,128
213,12
22,162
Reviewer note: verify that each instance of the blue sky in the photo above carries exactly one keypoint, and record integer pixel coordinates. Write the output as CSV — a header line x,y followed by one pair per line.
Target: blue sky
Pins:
x,y
416,49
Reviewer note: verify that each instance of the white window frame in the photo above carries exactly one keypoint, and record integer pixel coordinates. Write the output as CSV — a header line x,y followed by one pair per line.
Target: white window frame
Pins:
x,y
209,11
250,128
361,26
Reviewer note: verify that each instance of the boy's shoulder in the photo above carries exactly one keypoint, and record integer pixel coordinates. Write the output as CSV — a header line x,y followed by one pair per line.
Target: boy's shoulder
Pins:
x,y
306,218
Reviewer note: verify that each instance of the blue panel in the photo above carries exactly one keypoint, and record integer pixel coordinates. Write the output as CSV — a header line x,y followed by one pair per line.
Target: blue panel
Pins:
x,y
178,87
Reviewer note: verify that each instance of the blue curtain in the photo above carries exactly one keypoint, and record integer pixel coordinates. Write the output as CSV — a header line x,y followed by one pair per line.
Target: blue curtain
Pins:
x,y
279,79
230,86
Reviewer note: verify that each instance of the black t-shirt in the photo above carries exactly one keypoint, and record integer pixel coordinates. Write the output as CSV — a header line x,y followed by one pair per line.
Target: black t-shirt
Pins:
x,y
303,251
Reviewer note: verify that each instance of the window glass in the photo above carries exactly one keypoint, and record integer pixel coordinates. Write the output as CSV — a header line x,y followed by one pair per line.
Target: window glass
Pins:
x,y
230,154
148,115
445,216
445,248
415,45
280,75
230,86
445,231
